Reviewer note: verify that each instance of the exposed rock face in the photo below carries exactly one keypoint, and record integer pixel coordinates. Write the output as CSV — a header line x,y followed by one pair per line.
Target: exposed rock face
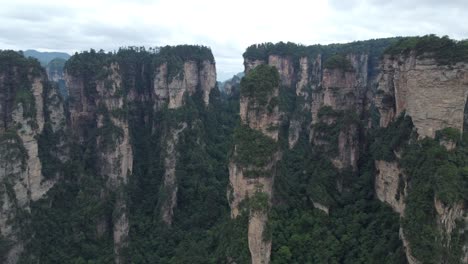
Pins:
x,y
343,89
232,85
321,207
194,76
259,118
284,65
388,185
448,215
433,95
207,79
116,161
250,64
55,75
406,245
21,179
170,184
309,79
260,249
256,117
303,81
102,93
243,188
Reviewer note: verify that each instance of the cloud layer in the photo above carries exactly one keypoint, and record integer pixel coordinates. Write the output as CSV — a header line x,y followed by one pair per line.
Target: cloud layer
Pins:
x,y
228,27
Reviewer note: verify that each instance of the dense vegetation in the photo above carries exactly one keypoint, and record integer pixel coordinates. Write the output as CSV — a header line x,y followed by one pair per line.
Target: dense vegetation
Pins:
x,y
374,47
19,73
431,172
319,214
260,83
434,173
93,66
443,49
355,227
338,62
202,231
253,147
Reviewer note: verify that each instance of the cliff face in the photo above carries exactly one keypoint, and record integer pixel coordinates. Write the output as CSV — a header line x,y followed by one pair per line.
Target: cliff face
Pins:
x,y
344,93
253,181
97,106
102,102
433,95
193,78
390,185
72,167
135,163
170,181
28,105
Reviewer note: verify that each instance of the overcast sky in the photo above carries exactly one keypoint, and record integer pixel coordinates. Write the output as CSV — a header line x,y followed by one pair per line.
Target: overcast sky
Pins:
x,y
228,27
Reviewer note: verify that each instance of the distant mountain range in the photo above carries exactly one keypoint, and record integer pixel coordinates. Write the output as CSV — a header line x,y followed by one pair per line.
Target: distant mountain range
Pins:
x,y
53,62
45,57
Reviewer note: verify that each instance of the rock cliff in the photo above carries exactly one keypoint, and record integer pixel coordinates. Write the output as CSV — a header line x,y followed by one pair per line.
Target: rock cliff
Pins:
x,y
195,77
134,166
97,105
349,92
433,95
29,104
252,181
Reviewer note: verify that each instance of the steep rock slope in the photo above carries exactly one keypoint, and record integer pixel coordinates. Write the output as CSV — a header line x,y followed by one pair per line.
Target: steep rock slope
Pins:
x,y
253,165
343,97
114,100
31,110
102,101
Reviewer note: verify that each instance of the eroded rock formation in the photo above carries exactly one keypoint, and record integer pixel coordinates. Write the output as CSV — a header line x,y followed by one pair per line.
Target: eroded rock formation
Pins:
x,y
28,103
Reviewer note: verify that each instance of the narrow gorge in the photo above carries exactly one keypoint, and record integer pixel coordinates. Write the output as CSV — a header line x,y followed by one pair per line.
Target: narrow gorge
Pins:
x,y
340,153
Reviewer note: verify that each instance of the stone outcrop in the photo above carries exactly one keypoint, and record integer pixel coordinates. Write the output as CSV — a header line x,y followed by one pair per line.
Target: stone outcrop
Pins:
x,y
117,161
285,68
447,215
170,90
390,185
242,188
170,185
231,86
407,247
102,90
433,95
25,100
251,64
114,149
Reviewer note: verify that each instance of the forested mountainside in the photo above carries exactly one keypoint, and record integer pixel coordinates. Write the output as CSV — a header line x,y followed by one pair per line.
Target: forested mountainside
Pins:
x,y
344,153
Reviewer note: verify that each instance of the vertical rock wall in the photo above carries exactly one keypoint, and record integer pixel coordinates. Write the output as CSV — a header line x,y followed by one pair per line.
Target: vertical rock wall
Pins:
x,y
27,103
